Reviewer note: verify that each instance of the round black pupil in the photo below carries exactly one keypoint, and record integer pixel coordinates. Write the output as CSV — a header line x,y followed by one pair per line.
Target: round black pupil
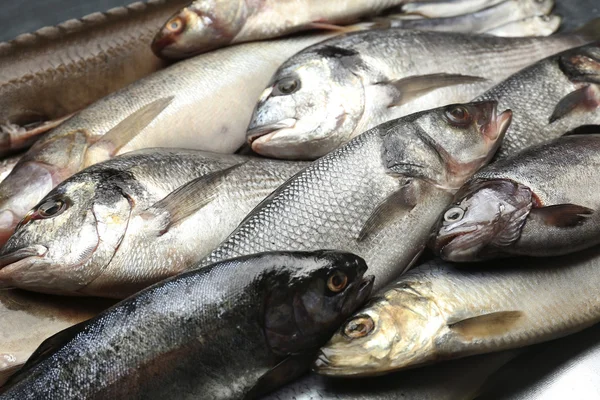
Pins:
x,y
336,281
458,113
51,209
361,328
454,215
174,25
287,87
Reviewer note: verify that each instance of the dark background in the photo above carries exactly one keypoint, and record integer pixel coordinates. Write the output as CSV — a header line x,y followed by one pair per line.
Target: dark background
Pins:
x,y
21,16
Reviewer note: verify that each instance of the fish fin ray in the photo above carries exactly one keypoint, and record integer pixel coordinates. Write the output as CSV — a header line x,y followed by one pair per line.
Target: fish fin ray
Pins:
x,y
563,215
586,97
192,196
288,369
495,323
413,87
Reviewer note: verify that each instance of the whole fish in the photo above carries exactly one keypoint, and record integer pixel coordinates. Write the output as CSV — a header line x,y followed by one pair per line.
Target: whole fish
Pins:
x,y
447,8
541,25
330,92
515,207
380,195
27,319
202,103
480,21
564,368
550,98
438,311
124,224
47,75
230,331
459,379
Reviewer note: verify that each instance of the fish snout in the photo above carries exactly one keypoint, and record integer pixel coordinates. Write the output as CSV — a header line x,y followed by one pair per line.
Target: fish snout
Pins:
x,y
16,256
493,125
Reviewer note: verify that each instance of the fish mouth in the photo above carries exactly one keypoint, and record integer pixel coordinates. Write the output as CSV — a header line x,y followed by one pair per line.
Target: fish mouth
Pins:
x,y
441,243
18,256
266,132
322,362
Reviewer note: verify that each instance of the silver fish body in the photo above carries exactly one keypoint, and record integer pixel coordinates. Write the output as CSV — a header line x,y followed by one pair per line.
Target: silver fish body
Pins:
x,y
438,311
550,98
330,92
515,207
544,25
182,106
449,8
377,195
230,331
122,225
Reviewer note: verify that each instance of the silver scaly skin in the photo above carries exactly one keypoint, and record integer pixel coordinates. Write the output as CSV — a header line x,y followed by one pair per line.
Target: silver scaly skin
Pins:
x,y
122,225
333,91
540,202
544,25
438,311
380,194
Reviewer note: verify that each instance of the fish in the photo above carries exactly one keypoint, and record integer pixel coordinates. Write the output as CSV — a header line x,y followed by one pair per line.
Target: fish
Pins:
x,y
447,8
202,103
127,223
440,311
540,25
332,91
550,98
30,318
233,330
566,367
514,207
459,379
378,196
7,164
49,74
481,21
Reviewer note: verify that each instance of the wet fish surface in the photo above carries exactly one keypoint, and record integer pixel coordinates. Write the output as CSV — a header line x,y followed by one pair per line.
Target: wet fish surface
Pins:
x,y
440,311
550,98
122,225
330,92
449,8
49,74
30,318
380,194
514,207
162,110
230,331
541,25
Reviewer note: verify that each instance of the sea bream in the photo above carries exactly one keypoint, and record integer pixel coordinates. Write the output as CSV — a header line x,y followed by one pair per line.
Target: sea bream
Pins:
x,y
516,207
47,75
439,311
333,91
379,195
201,103
124,224
233,330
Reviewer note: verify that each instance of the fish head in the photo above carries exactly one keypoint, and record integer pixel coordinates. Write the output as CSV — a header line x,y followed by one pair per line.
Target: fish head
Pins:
x,y
487,213
312,106
445,145
201,26
393,331
66,241
545,25
303,313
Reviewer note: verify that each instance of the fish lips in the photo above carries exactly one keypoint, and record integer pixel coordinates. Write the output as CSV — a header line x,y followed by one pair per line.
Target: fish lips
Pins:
x,y
264,133
18,256
447,246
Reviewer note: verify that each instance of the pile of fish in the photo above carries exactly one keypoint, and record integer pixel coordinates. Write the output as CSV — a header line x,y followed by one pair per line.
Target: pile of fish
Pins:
x,y
210,200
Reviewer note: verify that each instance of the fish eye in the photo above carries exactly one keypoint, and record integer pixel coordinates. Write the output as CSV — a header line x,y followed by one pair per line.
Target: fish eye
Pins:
x,y
454,214
359,326
51,208
337,281
286,86
175,25
458,115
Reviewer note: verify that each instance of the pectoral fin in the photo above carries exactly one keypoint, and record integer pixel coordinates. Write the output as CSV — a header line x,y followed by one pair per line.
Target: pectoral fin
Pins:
x,y
287,370
323,26
485,325
192,196
585,98
121,134
562,215
402,200
413,87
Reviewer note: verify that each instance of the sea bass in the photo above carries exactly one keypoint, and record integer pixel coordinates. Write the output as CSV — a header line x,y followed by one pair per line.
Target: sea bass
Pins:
x,y
230,331
47,75
515,207
379,195
202,103
330,92
27,319
124,224
550,98
438,311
